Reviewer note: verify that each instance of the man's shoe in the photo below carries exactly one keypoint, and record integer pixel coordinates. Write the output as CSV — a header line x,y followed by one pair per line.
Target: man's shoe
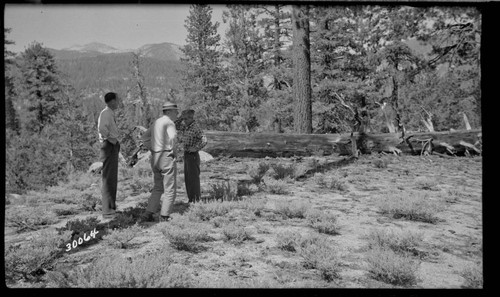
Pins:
x,y
165,219
147,217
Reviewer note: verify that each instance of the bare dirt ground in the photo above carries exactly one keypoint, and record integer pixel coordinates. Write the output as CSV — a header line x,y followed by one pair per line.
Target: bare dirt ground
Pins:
x,y
449,245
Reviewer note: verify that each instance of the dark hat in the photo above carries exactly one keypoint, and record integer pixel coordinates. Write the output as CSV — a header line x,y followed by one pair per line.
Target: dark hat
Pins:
x,y
169,105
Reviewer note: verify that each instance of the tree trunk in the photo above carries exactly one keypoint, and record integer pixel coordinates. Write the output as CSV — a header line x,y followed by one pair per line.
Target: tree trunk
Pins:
x,y
395,105
258,145
302,70
277,43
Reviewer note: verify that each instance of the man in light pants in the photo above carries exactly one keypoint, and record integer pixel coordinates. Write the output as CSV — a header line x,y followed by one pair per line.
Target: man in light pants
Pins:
x,y
161,139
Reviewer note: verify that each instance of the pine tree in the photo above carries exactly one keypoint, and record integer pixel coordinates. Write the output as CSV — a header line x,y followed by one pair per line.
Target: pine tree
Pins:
x,y
277,111
203,73
77,129
11,117
245,54
40,79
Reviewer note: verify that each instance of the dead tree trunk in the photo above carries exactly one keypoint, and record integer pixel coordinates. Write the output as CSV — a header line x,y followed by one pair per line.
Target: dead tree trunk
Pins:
x,y
466,121
239,144
427,121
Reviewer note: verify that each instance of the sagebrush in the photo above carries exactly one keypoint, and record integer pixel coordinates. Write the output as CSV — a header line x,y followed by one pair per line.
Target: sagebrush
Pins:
x,y
144,271
28,261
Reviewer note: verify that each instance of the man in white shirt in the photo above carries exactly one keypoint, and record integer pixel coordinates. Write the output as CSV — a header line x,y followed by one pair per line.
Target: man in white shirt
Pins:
x,y
161,140
110,148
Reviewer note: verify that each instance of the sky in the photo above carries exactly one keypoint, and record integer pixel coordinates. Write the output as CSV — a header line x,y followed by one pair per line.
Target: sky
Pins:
x,y
120,26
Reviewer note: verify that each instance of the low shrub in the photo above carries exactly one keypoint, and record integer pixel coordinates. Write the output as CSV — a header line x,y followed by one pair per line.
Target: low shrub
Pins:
x,y
256,206
121,238
209,210
145,271
236,234
380,163
288,241
224,191
295,209
413,208
28,261
65,211
258,171
185,235
330,182
336,184
387,266
301,170
320,180
83,228
240,214
473,275
29,218
274,186
123,220
455,194
426,183
281,170
80,226
318,253
229,283
401,242
322,221
219,221
246,190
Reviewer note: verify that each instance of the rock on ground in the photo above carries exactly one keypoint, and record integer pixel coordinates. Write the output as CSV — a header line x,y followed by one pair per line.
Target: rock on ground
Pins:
x,y
205,157
14,199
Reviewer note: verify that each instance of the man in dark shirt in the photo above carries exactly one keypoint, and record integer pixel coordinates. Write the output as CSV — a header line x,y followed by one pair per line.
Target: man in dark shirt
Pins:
x,y
192,139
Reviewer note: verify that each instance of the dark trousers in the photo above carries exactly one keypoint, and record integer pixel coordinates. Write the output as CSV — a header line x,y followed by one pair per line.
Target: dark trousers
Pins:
x,y
192,175
109,159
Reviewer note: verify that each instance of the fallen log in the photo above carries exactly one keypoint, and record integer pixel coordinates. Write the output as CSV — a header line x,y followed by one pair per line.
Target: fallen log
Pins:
x,y
258,145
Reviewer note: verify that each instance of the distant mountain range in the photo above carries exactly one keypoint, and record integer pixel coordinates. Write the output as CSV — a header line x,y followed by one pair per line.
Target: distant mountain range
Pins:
x,y
163,51
97,66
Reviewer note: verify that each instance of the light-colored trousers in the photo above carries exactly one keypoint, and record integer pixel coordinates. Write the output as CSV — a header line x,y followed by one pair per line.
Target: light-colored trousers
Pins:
x,y
164,168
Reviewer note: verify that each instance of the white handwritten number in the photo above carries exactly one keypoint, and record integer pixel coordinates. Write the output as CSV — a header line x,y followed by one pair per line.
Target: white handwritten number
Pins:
x,y
80,240
93,233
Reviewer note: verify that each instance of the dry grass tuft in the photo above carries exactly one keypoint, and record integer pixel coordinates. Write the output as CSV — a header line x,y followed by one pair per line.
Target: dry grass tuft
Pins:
x,y
294,209
387,266
415,207
324,222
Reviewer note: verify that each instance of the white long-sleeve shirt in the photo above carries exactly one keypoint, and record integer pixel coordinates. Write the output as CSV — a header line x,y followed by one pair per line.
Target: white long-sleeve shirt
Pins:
x,y
161,136
106,126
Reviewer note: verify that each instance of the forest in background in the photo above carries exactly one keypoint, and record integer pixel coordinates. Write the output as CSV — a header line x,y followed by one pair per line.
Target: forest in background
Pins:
x,y
356,62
